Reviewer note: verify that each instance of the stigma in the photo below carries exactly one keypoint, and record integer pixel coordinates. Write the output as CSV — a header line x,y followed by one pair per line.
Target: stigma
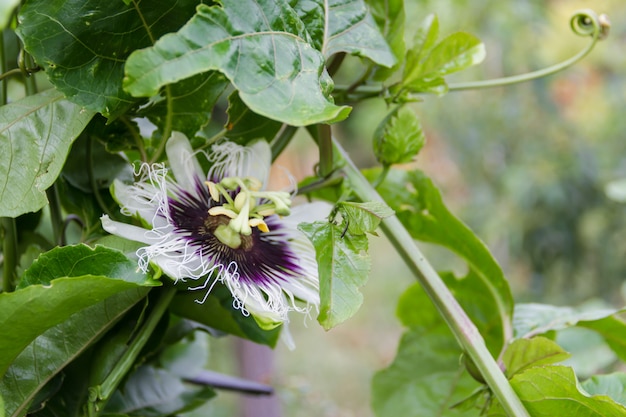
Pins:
x,y
246,205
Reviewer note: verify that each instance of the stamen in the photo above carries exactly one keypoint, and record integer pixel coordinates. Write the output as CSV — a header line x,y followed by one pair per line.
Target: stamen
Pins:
x,y
215,193
260,224
221,210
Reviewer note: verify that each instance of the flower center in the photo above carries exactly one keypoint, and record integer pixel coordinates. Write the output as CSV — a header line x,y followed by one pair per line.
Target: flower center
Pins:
x,y
246,209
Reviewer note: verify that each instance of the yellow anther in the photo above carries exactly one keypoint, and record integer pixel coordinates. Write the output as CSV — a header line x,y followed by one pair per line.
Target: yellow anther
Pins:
x,y
240,201
266,212
253,184
215,193
221,210
260,224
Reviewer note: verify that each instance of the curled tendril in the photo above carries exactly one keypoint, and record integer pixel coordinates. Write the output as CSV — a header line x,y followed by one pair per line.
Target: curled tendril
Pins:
x,y
584,23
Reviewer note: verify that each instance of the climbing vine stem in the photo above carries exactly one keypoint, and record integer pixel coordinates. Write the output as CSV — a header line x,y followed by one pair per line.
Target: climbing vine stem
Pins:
x,y
462,327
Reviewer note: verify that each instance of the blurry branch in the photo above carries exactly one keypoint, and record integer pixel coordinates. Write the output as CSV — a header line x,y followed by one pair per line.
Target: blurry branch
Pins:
x,y
231,383
584,23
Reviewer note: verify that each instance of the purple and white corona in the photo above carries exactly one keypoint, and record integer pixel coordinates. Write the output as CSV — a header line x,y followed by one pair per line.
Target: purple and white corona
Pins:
x,y
223,226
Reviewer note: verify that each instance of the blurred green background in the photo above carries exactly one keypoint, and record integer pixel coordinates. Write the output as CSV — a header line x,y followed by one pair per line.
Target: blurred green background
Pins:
x,y
524,166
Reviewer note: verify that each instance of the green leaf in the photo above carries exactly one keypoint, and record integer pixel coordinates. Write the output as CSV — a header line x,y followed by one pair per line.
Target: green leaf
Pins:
x,y
363,217
261,47
390,17
428,63
399,137
532,319
344,26
6,11
425,378
106,166
549,391
155,392
218,313
343,266
613,330
83,44
423,42
191,104
51,351
35,137
526,353
420,207
81,260
612,385
245,126
29,312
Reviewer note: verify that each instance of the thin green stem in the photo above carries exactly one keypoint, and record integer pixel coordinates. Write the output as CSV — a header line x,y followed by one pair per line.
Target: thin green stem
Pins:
x,y
56,217
210,141
9,253
381,177
137,138
167,127
325,145
465,331
95,189
103,392
584,23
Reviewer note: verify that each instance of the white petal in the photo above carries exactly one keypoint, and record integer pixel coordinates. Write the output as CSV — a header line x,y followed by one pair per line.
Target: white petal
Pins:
x,y
136,200
182,161
127,231
308,212
257,161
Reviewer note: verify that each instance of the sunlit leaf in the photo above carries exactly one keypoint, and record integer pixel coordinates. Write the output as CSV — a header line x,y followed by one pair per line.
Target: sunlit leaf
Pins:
x,y
344,26
343,267
261,47
51,351
525,353
399,137
35,137
549,391
83,44
363,217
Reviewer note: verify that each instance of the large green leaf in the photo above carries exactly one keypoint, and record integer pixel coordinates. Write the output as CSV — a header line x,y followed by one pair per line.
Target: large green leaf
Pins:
x,y
344,26
51,351
343,266
35,137
262,48
244,125
425,378
218,313
81,260
191,103
161,390
390,16
420,208
83,44
61,282
29,312
549,391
